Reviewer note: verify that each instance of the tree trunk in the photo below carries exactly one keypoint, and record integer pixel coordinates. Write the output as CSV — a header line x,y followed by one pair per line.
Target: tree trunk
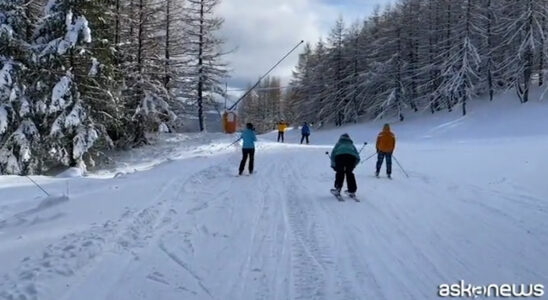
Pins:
x,y
200,68
398,73
140,37
117,24
541,50
489,50
528,68
167,45
356,75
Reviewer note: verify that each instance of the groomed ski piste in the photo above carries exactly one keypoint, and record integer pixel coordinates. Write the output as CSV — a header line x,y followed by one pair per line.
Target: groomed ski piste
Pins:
x,y
173,221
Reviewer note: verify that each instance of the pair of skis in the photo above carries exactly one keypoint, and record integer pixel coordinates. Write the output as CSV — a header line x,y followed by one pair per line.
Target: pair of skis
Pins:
x,y
339,197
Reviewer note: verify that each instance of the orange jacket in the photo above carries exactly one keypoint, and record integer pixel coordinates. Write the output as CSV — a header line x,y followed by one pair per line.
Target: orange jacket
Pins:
x,y
282,127
386,141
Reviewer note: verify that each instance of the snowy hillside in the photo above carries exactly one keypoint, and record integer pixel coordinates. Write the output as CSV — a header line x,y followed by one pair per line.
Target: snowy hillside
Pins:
x,y
175,222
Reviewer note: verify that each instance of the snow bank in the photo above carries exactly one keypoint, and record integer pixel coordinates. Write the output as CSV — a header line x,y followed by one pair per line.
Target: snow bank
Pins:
x,y
166,147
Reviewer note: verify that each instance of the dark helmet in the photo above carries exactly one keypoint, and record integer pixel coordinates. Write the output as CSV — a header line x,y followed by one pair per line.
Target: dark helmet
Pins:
x,y
249,126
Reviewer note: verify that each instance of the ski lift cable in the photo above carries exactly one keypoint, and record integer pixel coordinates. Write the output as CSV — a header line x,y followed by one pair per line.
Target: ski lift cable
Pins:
x,y
266,74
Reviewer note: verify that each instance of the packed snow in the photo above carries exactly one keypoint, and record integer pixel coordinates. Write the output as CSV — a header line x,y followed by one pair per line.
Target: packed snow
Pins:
x,y
173,221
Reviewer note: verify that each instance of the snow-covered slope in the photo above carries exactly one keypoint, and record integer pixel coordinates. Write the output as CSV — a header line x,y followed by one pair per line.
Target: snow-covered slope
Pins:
x,y
181,225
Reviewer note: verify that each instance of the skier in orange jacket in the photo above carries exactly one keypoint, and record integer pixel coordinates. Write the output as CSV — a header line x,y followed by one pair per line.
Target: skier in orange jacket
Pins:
x,y
386,142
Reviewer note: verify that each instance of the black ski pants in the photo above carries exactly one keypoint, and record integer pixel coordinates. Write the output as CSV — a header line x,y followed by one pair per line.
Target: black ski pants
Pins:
x,y
344,166
305,136
281,136
246,153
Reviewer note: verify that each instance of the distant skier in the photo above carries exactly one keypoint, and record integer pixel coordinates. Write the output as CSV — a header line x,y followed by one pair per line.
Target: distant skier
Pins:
x,y
248,148
305,132
344,158
386,142
281,130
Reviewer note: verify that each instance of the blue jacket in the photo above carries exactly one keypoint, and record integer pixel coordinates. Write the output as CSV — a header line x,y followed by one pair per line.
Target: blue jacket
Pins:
x,y
305,130
344,146
249,138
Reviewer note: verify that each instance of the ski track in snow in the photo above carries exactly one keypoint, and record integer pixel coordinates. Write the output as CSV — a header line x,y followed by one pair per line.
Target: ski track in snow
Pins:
x,y
209,234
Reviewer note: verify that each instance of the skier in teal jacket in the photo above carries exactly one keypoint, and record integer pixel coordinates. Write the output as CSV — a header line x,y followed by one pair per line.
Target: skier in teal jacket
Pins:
x,y
344,158
248,148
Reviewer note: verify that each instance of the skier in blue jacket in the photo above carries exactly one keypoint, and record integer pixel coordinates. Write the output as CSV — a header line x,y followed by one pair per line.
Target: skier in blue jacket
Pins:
x,y
344,159
248,148
305,132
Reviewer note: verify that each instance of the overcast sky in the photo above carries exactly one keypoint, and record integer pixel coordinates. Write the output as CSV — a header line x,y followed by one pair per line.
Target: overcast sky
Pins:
x,y
262,31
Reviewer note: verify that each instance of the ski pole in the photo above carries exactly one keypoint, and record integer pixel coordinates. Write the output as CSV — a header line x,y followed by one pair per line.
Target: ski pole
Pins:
x,y
364,144
400,166
368,158
39,186
233,143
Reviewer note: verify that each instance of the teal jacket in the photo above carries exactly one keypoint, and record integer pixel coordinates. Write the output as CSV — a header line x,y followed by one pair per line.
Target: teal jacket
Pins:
x,y
344,146
249,138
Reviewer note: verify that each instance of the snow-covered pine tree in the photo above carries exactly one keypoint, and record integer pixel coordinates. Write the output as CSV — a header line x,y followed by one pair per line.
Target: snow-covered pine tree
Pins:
x,y
299,93
431,65
388,69
174,59
522,30
362,51
460,69
333,108
206,70
19,137
351,69
173,43
319,87
363,88
94,72
67,127
413,23
488,50
429,54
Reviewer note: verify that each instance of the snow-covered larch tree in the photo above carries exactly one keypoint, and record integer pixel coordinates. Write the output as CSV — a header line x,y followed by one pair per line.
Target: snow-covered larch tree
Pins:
x,y
203,47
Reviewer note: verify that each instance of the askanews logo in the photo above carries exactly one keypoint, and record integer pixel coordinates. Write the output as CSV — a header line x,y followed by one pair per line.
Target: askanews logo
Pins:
x,y
465,290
